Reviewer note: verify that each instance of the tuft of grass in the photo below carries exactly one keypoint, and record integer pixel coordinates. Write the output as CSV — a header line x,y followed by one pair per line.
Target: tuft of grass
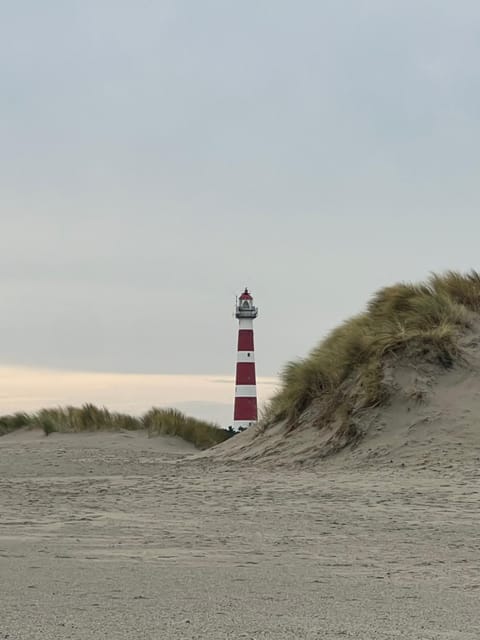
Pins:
x,y
85,418
174,423
48,425
13,422
346,370
462,288
91,418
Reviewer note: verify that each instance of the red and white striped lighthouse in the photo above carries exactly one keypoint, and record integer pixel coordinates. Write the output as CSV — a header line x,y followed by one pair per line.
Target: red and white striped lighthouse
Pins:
x,y
245,413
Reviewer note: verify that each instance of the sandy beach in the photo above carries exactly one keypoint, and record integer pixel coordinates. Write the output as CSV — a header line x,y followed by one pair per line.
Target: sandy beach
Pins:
x,y
116,536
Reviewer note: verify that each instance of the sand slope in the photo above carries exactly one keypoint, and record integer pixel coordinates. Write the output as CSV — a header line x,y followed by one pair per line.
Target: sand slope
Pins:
x,y
123,537
432,420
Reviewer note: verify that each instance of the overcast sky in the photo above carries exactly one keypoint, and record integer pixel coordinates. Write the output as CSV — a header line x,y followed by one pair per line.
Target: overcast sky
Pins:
x,y
157,156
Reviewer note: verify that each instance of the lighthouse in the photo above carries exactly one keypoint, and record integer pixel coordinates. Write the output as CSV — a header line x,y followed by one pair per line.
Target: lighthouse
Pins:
x,y
245,413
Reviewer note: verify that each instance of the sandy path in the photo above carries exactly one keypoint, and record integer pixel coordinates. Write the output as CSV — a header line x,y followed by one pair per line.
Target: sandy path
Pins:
x,y
115,537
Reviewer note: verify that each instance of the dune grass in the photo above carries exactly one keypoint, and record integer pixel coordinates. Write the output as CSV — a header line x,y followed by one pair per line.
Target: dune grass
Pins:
x,y
174,423
13,422
91,418
423,319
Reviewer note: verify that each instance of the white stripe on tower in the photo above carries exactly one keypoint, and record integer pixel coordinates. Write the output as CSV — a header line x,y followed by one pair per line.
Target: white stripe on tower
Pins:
x,y
245,356
245,413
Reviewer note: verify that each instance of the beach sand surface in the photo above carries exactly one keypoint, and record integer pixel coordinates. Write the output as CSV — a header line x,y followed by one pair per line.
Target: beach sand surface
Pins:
x,y
121,536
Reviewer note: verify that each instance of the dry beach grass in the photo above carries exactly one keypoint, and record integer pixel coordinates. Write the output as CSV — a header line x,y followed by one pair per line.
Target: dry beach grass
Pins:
x,y
345,369
87,418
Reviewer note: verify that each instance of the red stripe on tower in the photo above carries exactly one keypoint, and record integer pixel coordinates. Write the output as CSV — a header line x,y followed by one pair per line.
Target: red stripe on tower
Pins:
x,y
244,409
245,373
245,412
245,340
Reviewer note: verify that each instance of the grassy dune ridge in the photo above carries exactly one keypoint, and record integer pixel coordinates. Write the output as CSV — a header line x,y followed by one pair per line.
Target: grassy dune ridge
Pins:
x,y
344,374
91,418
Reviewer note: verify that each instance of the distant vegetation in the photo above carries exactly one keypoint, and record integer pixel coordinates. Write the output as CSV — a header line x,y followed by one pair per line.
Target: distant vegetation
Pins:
x,y
345,372
91,418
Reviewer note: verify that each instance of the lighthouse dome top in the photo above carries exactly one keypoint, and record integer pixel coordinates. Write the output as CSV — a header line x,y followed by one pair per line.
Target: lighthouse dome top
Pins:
x,y
246,295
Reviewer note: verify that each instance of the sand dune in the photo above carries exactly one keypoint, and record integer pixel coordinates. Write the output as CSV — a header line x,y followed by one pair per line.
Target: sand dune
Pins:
x,y
119,536
430,421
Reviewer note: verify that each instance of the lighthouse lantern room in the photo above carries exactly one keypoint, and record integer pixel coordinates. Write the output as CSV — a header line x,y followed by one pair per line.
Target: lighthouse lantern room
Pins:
x,y
245,412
